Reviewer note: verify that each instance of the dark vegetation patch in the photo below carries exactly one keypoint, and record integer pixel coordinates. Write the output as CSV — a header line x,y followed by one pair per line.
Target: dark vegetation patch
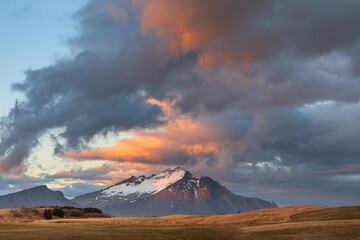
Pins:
x,y
47,214
73,212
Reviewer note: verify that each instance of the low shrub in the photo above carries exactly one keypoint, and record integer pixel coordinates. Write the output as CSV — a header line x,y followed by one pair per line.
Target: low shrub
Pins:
x,y
58,212
47,214
67,207
92,210
76,213
71,212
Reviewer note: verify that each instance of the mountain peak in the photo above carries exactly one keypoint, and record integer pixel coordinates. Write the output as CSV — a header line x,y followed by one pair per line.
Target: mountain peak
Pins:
x,y
40,188
174,169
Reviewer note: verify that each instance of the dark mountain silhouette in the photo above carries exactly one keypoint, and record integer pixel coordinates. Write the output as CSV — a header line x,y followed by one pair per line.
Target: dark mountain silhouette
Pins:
x,y
35,197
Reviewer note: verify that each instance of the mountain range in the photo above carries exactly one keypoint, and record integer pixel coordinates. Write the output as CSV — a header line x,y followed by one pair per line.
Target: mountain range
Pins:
x,y
173,191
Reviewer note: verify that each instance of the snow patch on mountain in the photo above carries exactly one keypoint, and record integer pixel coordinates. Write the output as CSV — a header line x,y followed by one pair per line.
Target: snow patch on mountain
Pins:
x,y
145,185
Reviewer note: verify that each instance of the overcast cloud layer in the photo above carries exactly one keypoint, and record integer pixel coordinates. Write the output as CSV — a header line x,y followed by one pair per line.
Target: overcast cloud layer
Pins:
x,y
261,95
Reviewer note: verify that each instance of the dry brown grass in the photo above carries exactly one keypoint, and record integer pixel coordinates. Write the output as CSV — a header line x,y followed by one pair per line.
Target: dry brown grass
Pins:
x,y
297,222
292,225
266,216
314,230
273,215
21,215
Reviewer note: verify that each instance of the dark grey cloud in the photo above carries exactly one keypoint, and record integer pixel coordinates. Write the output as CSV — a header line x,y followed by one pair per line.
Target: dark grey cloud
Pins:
x,y
98,173
305,155
302,53
12,183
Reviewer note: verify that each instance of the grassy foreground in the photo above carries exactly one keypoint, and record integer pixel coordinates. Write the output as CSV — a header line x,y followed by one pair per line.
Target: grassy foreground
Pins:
x,y
298,222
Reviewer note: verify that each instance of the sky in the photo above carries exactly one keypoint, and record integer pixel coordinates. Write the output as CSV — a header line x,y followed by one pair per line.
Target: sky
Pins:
x,y
262,96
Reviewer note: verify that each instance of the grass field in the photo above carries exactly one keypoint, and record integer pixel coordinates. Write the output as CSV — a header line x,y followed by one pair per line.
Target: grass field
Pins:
x,y
298,222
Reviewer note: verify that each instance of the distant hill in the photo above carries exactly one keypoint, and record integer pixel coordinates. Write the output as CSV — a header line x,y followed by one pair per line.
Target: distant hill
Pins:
x,y
173,191
35,197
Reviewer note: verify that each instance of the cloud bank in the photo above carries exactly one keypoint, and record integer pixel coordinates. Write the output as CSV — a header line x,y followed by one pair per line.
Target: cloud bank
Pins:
x,y
256,93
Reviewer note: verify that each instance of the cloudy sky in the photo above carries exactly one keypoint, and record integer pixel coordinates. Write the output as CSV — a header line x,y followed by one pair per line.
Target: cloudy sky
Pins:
x,y
263,96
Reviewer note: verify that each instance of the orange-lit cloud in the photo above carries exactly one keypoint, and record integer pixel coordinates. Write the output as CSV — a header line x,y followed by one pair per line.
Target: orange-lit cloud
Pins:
x,y
172,142
11,176
206,27
181,139
146,148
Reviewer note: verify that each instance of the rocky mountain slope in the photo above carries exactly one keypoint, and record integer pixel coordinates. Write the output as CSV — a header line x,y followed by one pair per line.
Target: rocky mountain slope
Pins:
x,y
173,191
35,197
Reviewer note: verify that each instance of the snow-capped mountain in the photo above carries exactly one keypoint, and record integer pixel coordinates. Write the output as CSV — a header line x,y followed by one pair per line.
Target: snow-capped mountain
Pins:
x,y
142,186
173,191
131,189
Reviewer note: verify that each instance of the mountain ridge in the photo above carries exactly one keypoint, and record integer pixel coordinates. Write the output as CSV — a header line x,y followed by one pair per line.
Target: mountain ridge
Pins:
x,y
173,191
35,197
